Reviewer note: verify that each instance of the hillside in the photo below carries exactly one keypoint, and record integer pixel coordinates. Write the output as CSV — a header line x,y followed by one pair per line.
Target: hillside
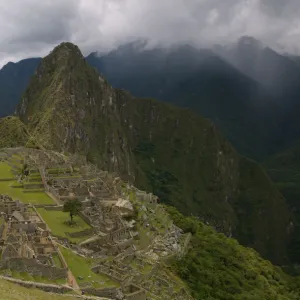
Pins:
x,y
284,169
173,152
279,75
197,79
11,291
249,91
217,267
13,132
151,250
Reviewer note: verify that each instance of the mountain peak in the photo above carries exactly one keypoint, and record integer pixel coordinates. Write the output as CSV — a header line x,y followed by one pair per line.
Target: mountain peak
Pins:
x,y
249,41
66,48
65,54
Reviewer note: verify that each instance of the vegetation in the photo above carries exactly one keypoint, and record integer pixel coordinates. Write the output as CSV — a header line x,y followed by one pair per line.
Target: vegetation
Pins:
x,y
5,171
59,225
13,132
284,169
13,291
27,277
81,268
217,267
73,207
15,190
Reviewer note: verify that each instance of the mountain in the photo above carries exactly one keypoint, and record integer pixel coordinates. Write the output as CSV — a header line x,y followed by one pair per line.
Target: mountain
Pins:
x,y
249,91
216,267
274,71
171,151
14,78
280,76
196,79
13,132
284,169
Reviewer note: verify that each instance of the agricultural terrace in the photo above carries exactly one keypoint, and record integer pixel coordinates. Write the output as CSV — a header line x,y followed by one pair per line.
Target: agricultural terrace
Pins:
x,y
81,269
58,224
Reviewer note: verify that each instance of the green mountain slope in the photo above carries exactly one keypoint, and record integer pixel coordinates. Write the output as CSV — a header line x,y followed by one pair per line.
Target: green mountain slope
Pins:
x,y
13,132
284,169
197,79
217,267
173,152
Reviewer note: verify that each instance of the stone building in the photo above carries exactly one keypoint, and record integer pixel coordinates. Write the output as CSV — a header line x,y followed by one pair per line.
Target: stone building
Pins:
x,y
8,205
124,208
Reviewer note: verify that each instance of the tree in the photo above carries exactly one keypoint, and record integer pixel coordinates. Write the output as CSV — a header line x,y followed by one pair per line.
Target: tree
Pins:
x,y
73,207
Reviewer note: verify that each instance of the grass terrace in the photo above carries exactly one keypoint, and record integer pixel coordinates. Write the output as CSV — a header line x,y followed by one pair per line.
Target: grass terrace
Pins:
x,y
15,191
5,171
81,266
11,291
57,222
27,277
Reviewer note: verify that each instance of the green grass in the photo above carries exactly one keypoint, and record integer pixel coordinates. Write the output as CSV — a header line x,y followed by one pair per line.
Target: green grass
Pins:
x,y
56,221
82,267
6,187
5,171
57,261
217,267
11,291
28,277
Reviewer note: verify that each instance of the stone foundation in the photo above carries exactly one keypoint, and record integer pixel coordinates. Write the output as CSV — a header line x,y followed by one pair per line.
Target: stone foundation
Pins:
x,y
108,293
31,266
58,289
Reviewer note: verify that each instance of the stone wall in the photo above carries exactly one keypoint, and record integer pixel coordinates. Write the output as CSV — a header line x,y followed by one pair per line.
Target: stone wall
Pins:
x,y
31,266
82,233
53,208
108,292
138,295
85,218
58,289
52,191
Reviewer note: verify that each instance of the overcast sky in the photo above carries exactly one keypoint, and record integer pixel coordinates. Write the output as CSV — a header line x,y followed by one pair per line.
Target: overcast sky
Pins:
x,y
33,27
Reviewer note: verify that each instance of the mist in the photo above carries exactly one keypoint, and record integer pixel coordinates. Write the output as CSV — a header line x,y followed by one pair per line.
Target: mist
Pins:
x,y
32,28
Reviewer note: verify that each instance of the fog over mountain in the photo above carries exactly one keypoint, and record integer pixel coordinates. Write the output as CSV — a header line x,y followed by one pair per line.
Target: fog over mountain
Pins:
x,y
31,28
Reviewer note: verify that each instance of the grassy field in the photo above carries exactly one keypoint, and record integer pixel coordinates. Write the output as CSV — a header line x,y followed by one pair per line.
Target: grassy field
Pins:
x,y
5,171
6,187
11,291
56,221
14,189
57,261
82,267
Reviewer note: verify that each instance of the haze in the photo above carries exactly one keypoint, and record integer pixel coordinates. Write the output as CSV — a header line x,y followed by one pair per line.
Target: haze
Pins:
x,y
33,27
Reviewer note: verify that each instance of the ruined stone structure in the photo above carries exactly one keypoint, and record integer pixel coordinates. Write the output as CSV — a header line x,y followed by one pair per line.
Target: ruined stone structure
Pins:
x,y
129,231
26,243
8,205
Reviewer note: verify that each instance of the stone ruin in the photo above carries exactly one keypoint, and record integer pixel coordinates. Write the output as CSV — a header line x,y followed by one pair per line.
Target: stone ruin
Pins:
x,y
26,243
28,247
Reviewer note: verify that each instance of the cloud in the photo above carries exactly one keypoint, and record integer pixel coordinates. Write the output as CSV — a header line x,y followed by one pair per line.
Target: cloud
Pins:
x,y
34,27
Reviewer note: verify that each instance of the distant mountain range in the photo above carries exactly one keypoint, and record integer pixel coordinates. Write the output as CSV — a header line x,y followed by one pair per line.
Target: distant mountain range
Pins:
x,y
248,90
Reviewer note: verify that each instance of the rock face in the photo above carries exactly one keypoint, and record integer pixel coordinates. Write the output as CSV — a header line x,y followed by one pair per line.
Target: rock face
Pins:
x,y
69,107
172,152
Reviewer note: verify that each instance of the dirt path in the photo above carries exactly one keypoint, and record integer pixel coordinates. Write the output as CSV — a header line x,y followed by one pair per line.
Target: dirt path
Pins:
x,y
73,283
71,280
